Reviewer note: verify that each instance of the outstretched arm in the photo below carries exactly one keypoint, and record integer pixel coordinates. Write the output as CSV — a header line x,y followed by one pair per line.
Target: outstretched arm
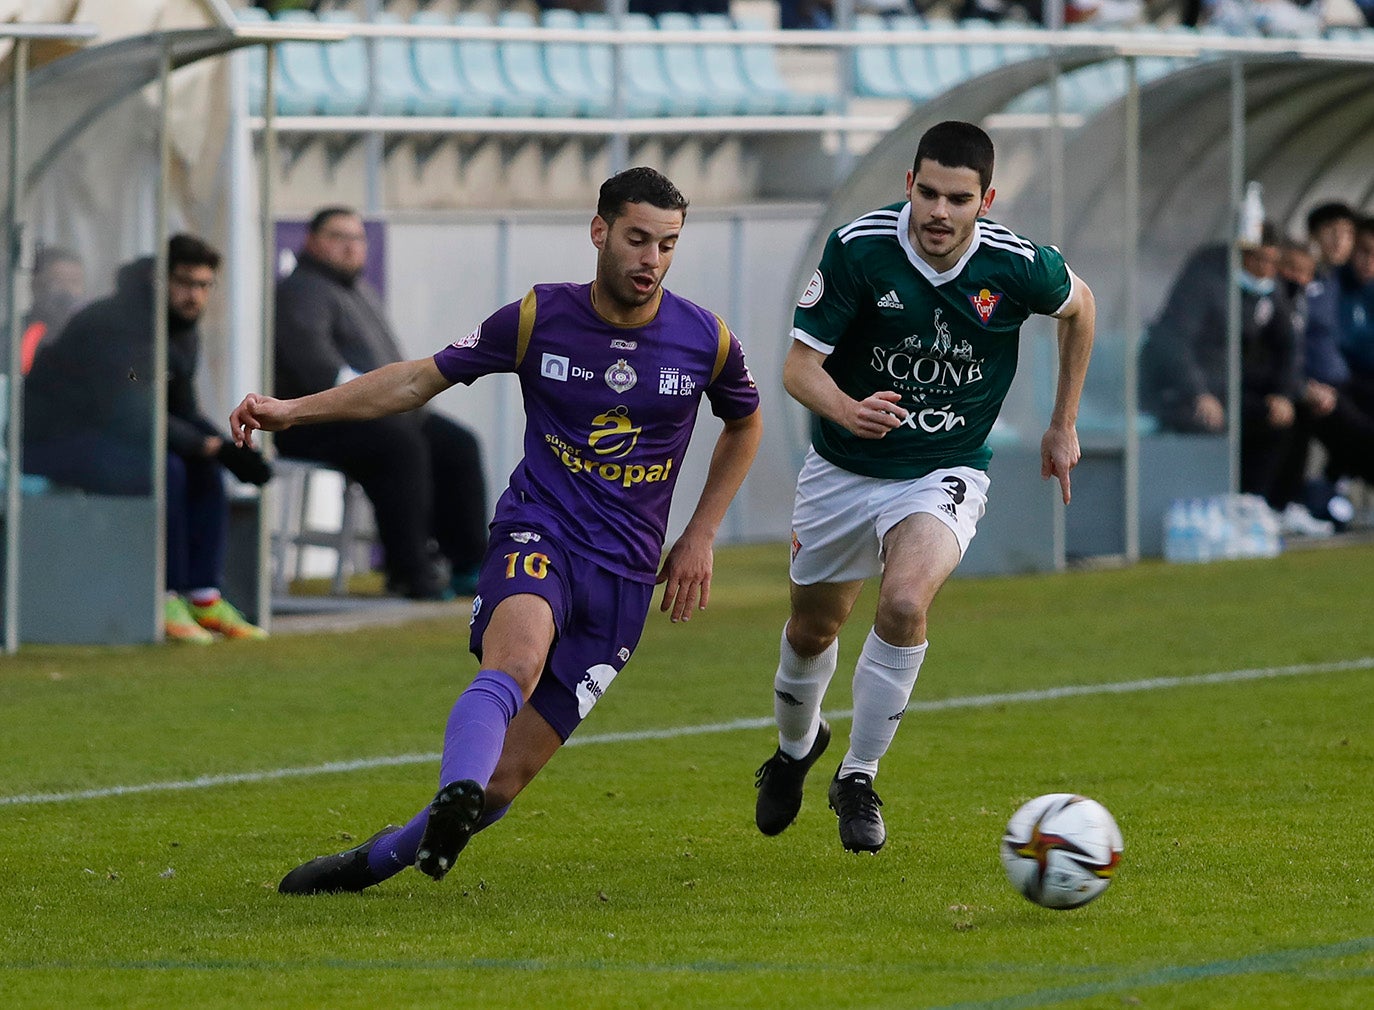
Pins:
x,y
1059,451
391,389
686,573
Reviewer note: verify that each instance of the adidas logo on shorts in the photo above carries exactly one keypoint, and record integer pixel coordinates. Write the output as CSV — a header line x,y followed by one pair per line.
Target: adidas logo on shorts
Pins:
x,y
890,301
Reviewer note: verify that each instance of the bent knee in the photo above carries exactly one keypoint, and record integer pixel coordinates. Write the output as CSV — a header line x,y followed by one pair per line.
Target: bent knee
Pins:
x,y
811,637
901,620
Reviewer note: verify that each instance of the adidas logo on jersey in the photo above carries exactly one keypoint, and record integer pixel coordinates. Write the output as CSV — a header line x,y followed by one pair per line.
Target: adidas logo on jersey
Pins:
x,y
890,301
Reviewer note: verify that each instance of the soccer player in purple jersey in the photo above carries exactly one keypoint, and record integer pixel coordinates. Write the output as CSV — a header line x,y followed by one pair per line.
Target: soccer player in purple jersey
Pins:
x,y
611,373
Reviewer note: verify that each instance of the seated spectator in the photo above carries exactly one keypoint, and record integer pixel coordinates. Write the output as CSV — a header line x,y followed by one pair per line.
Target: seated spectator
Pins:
x,y
1183,367
57,289
88,423
421,471
1325,410
1331,228
1356,282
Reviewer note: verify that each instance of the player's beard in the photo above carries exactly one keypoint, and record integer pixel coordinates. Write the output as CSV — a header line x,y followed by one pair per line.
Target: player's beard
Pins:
x,y
951,242
621,291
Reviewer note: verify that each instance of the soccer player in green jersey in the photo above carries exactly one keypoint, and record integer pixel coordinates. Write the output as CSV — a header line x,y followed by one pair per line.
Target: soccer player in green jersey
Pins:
x,y
904,345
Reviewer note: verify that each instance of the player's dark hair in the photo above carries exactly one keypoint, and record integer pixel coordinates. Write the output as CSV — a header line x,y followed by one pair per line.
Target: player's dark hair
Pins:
x,y
1324,213
638,185
326,214
957,144
189,251
1364,226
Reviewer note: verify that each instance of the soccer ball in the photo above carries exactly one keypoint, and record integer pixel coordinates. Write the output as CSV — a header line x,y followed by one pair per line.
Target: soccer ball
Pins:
x,y
1060,850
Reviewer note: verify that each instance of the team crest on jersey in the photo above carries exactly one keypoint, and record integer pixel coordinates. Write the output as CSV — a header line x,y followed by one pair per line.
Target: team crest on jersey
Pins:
x,y
814,289
621,376
985,304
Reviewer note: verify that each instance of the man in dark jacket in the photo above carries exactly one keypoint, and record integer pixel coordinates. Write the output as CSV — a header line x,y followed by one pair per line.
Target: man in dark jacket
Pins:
x,y
88,423
421,470
1183,363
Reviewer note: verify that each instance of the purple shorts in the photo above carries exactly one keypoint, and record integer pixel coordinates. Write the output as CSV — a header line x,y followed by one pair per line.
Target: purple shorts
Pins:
x,y
598,617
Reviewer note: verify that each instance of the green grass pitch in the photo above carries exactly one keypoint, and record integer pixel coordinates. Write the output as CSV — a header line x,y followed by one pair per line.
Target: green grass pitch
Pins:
x,y
631,875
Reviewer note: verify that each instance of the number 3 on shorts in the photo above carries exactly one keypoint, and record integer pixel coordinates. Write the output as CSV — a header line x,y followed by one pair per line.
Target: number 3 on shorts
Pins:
x,y
536,565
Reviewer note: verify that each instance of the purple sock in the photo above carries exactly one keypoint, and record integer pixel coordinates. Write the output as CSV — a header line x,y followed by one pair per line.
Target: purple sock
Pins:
x,y
392,853
473,739
476,728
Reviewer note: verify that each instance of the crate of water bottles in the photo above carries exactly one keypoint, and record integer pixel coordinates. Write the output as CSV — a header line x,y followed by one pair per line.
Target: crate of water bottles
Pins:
x,y
1223,526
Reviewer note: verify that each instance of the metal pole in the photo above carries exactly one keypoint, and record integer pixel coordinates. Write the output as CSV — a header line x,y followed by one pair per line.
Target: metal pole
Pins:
x,y
736,305
14,235
1233,304
1056,171
505,421
619,141
844,152
1131,323
267,241
373,151
159,376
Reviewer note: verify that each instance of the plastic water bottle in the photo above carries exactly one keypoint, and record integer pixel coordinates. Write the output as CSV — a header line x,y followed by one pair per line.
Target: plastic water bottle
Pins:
x,y
1176,540
1200,533
1218,530
1185,532
1257,526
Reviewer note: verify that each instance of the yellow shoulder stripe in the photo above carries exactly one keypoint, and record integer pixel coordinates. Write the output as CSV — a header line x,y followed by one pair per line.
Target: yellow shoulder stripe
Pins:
x,y
528,306
723,347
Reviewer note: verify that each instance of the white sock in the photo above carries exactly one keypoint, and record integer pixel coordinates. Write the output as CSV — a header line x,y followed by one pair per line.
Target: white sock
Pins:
x,y
883,679
798,687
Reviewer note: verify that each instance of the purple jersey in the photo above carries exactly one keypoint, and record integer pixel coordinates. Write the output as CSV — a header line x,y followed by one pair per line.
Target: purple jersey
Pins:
x,y
609,411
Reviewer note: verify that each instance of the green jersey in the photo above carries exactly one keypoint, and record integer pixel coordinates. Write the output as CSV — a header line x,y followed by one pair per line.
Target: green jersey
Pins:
x,y
947,342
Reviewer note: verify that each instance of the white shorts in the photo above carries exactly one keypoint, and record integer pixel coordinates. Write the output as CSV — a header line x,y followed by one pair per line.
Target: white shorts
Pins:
x,y
840,518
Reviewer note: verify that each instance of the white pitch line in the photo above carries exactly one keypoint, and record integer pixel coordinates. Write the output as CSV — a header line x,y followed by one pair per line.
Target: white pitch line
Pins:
x,y
944,704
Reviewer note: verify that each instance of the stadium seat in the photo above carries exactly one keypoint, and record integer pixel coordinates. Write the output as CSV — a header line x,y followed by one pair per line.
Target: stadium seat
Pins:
x,y
522,65
479,62
982,57
645,74
875,67
1017,52
683,67
327,70
721,63
569,67
290,102
304,74
397,79
599,62
949,65
436,66
912,64
761,69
